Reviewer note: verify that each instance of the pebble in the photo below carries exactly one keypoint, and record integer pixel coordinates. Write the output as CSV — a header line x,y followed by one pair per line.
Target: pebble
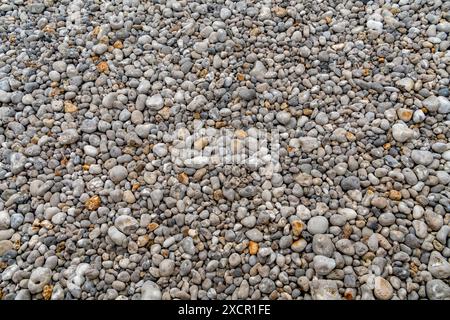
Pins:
x,y
155,102
150,291
437,290
401,132
126,224
283,117
116,236
323,265
5,246
118,174
375,25
166,268
383,289
38,279
68,137
197,103
431,103
323,245
406,84
317,225
422,157
160,150
350,183
225,150
438,266
254,235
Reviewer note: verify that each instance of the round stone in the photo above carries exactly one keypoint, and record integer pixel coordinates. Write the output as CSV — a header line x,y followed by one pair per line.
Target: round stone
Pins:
x,y
166,268
317,225
383,289
118,174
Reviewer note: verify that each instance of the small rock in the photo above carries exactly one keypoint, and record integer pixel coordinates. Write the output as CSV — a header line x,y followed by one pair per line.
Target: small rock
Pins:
x,y
383,289
401,132
350,183
155,102
323,265
437,290
118,174
166,268
150,291
406,84
438,266
197,103
422,157
38,279
254,235
126,224
431,103
317,225
116,236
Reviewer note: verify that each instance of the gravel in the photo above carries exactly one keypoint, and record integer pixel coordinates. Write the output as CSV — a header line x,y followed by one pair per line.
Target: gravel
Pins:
x,y
195,150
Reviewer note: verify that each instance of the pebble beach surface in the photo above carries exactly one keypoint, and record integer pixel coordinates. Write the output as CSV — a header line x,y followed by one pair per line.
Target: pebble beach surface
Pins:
x,y
330,180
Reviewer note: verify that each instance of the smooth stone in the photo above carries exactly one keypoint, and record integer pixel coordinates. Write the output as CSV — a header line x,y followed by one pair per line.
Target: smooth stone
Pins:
x,y
126,224
322,289
68,136
254,235
322,245
188,245
155,102
5,220
323,265
166,268
375,25
422,157
116,236
444,105
438,266
437,290
309,144
406,84
317,225
160,150
401,132
267,286
90,151
431,103
118,174
259,70
246,93
383,289
197,103
38,279
150,291
283,117
350,183
5,246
